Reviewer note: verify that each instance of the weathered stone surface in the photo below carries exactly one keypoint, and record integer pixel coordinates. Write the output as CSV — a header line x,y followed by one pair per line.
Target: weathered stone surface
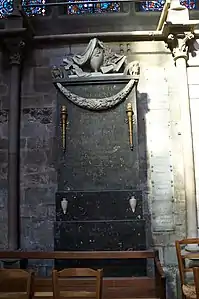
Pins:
x,y
3,156
4,101
170,257
37,234
45,177
3,171
3,116
3,234
40,142
40,211
38,195
165,239
38,175
42,79
30,101
35,157
40,58
34,128
43,115
3,198
172,287
3,143
3,89
41,267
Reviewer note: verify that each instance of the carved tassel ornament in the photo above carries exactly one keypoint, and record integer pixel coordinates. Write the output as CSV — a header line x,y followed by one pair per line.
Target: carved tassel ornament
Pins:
x,y
133,203
129,112
64,205
63,125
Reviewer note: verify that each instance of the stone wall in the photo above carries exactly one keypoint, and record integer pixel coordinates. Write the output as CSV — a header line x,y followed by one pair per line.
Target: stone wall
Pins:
x,y
159,147
38,173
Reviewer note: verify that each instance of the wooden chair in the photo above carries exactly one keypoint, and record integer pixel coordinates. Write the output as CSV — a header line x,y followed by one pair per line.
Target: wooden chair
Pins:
x,y
196,280
16,284
62,283
188,289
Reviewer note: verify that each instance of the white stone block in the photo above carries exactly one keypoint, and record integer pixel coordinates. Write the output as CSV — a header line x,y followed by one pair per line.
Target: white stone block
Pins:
x,y
194,91
163,223
193,75
158,101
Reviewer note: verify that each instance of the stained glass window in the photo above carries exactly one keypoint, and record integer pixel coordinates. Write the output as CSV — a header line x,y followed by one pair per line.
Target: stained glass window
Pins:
x,y
158,5
34,10
6,8
92,8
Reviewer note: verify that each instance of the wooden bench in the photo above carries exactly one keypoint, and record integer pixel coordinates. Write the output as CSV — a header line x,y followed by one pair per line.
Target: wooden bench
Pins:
x,y
113,287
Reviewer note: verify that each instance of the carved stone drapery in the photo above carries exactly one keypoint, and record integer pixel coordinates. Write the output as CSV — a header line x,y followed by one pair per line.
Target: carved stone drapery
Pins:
x,y
100,64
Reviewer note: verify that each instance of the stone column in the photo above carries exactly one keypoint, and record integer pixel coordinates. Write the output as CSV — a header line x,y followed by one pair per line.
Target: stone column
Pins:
x,y
179,44
14,50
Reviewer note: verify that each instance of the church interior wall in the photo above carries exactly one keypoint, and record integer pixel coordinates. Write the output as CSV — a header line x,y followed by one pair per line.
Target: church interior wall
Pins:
x,y
161,164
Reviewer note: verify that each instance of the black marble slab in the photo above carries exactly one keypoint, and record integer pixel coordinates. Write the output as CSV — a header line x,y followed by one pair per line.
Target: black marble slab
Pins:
x,y
97,154
103,205
111,268
100,235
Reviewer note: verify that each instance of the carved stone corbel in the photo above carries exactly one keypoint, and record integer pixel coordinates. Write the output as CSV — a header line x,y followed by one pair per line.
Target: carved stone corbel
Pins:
x,y
14,48
179,44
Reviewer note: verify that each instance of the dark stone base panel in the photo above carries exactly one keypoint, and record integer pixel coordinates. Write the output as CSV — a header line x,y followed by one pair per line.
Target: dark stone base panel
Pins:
x,y
103,235
111,268
103,205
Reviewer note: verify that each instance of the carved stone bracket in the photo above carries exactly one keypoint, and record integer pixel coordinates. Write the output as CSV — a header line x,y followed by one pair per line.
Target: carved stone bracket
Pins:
x,y
14,49
98,63
179,44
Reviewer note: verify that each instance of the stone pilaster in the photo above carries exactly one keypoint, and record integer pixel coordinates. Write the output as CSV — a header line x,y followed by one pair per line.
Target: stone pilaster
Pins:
x,y
14,50
179,45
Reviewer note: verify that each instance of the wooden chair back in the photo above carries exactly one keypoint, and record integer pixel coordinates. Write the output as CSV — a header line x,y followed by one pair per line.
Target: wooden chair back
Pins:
x,y
62,279
196,280
183,255
188,290
16,283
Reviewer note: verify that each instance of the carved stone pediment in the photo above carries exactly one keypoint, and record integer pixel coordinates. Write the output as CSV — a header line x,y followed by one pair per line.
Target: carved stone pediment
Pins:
x,y
99,64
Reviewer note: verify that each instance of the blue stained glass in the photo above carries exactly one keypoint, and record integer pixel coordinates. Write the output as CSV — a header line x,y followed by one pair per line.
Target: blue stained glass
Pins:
x,y
34,10
190,4
92,8
158,5
6,8
107,7
79,9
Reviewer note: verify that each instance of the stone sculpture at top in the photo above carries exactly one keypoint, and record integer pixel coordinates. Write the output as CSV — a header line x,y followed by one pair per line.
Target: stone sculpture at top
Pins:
x,y
97,61
96,58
